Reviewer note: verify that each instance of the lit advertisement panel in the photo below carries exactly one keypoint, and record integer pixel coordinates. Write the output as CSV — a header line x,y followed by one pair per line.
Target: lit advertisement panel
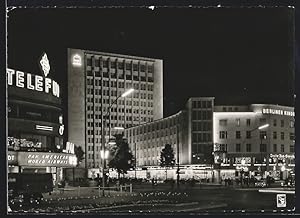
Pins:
x,y
46,159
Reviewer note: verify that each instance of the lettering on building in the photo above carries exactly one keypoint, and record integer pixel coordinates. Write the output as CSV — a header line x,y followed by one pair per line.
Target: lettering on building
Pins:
x,y
32,82
278,112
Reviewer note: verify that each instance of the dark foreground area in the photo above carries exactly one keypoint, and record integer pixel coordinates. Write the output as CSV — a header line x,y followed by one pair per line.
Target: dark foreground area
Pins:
x,y
194,200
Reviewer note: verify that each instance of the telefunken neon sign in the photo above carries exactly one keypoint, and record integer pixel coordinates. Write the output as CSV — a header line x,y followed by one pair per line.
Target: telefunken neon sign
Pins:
x,y
278,112
34,82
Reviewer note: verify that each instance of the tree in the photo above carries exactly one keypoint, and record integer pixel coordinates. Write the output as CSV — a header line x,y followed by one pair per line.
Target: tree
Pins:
x,y
122,159
167,157
79,154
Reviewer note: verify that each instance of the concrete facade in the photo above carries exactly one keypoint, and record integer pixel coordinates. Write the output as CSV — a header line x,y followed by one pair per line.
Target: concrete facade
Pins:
x,y
190,129
95,81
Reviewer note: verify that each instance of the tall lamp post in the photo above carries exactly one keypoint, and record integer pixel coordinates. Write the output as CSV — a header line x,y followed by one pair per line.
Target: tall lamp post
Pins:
x,y
261,140
257,128
177,139
260,128
104,153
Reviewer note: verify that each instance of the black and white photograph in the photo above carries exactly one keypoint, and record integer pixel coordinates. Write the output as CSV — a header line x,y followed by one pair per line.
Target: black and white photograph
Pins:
x,y
151,110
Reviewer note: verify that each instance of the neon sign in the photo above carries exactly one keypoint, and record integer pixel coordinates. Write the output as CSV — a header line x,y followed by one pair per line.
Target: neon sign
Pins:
x,y
69,148
46,159
45,64
32,82
278,112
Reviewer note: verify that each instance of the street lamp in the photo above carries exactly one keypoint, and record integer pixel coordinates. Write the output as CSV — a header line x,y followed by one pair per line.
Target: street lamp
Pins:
x,y
103,121
260,128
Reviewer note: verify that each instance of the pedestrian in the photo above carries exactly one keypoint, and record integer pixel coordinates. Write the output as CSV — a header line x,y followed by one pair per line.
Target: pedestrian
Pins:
x,y
152,182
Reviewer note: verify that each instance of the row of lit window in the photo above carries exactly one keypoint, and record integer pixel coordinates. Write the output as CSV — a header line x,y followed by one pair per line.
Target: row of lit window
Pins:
x,y
201,137
262,135
166,124
114,75
263,148
154,135
121,110
201,126
106,63
202,104
122,118
121,84
262,121
201,115
201,148
114,94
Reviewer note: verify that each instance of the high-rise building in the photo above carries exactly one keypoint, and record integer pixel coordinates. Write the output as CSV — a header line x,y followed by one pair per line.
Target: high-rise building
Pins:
x,y
95,81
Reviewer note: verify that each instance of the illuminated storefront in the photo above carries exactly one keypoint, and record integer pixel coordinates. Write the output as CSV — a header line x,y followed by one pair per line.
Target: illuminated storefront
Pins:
x,y
35,140
252,140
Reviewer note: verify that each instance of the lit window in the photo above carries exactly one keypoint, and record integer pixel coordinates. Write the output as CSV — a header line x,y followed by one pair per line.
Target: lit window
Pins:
x,y
238,122
292,124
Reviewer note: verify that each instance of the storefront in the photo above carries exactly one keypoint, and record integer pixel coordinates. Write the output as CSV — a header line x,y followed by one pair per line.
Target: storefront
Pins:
x,y
35,141
40,162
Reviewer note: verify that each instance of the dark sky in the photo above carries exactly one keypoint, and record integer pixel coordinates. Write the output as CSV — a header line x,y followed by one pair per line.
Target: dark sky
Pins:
x,y
240,56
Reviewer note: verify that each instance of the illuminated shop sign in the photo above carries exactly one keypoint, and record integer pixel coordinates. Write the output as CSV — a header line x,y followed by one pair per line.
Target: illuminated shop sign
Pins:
x,y
46,159
32,82
243,160
278,112
45,128
282,156
76,60
69,148
12,158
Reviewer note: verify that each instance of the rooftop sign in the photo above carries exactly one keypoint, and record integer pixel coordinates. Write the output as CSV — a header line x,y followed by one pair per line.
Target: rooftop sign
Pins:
x,y
32,82
278,112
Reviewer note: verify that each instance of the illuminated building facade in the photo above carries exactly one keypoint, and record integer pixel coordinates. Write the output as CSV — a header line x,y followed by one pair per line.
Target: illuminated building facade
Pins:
x,y
95,81
35,125
242,145
190,129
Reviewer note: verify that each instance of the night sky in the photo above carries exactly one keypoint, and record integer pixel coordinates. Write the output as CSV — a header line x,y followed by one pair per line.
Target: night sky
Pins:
x,y
240,56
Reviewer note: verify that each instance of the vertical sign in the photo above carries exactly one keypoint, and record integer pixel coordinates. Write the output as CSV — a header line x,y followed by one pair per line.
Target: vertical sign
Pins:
x,y
281,200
